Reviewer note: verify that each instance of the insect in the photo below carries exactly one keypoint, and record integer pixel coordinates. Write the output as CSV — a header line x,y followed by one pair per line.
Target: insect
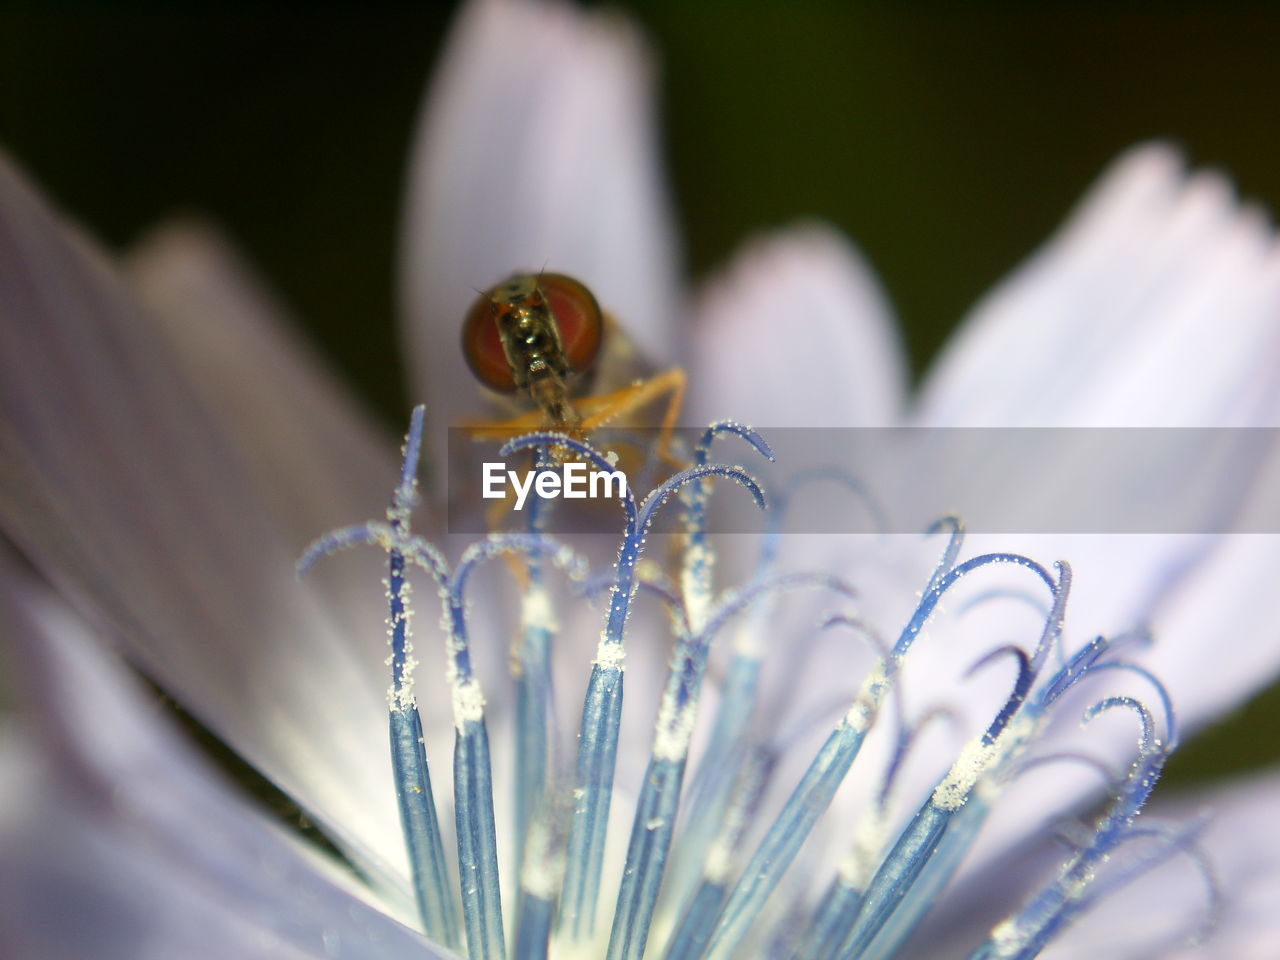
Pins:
x,y
543,337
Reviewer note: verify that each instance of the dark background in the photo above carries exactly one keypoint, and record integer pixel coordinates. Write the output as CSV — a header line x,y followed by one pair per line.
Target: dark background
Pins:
x,y
947,139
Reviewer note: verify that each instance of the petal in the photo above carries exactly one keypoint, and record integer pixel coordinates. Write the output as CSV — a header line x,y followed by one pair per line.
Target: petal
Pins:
x,y
1154,306
797,333
1158,911
123,844
1154,915
290,417
535,151
318,460
1217,631
120,484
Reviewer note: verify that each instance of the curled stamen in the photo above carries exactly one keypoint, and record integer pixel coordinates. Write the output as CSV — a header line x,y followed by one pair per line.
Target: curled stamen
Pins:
x,y
1073,670
944,579
602,706
792,730
930,847
795,665
817,787
952,550
335,541
702,450
418,815
1166,703
862,629
525,544
689,475
1026,933
1079,664
1053,623
738,601
696,568
884,884
1022,685
1148,742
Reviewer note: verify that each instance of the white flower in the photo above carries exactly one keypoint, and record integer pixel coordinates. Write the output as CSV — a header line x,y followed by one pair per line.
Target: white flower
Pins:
x,y
160,471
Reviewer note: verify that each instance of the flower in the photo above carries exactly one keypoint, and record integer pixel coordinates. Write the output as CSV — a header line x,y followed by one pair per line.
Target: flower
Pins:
x,y
162,470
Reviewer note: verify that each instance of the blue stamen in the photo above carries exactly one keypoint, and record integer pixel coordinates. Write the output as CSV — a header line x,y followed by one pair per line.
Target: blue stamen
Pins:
x,y
696,566
955,540
419,819
540,879
418,815
659,797
816,789
930,848
602,706
884,885
727,748
473,780
1026,677
534,716
842,901
1025,934
1166,703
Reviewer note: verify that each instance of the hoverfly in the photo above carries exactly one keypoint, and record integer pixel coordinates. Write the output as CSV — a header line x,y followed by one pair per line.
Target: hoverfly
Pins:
x,y
543,337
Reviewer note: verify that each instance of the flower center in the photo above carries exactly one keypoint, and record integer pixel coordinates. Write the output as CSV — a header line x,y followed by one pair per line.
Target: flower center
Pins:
x,y
724,880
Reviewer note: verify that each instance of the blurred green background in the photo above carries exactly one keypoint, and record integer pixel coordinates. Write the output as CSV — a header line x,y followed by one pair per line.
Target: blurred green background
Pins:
x,y
947,139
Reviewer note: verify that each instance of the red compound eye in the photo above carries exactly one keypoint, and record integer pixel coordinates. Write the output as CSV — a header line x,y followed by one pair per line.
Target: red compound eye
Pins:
x,y
572,306
482,346
577,315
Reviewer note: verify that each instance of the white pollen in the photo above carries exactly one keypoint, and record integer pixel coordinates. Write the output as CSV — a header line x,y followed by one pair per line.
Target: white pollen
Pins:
x,y
537,612
468,703
542,872
973,762
609,656
857,869
859,717
699,561
1007,938
718,867
863,710
674,730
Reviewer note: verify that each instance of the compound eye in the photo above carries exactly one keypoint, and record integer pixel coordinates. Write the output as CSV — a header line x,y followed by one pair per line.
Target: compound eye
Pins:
x,y
578,318
482,346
